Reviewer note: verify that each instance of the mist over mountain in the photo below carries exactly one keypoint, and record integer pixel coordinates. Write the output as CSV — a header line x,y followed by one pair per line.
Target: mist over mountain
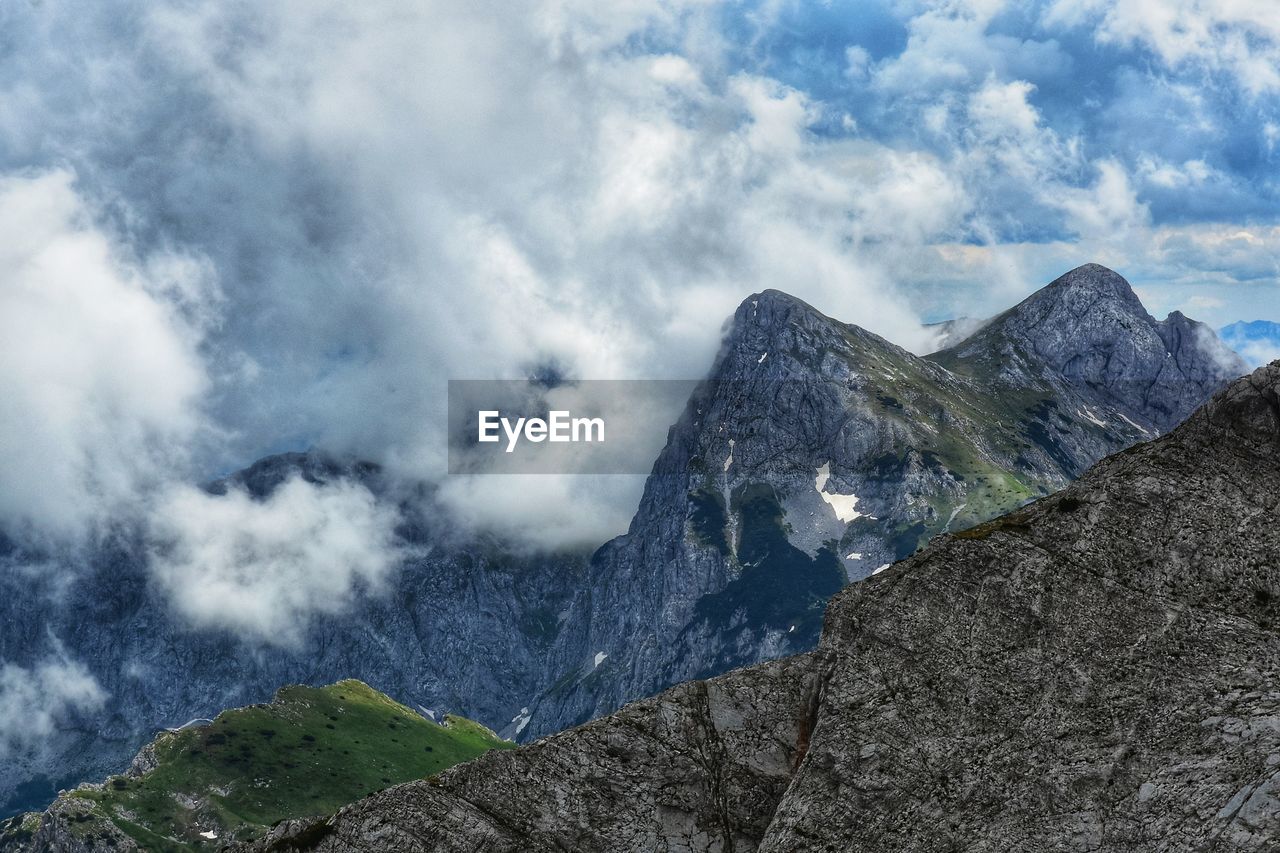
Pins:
x,y
815,454
1257,341
267,265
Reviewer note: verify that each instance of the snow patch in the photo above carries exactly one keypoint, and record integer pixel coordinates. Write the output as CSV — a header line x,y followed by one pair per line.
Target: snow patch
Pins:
x,y
522,719
1141,429
762,358
856,555
600,656
209,834
198,721
729,461
880,569
1088,415
824,474
843,505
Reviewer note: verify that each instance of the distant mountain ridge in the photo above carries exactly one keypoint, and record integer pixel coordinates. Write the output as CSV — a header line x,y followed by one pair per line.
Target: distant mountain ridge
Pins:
x,y
1258,341
816,453
1090,329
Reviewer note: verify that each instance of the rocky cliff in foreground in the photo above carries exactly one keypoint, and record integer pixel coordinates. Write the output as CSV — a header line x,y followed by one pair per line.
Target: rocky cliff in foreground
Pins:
x,y
1097,671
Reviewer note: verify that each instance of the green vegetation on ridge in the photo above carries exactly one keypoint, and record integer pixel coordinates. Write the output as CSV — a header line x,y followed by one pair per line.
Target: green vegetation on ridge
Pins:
x,y
309,752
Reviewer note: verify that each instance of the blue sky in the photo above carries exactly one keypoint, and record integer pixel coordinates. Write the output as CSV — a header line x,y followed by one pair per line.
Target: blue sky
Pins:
x,y
241,227
1192,125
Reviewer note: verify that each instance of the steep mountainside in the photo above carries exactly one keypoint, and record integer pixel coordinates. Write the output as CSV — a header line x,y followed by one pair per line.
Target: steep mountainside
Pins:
x,y
308,752
815,453
818,452
1095,672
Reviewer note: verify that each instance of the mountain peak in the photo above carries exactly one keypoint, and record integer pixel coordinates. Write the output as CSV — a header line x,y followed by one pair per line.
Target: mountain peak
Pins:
x,y
1090,307
769,304
1085,283
1089,328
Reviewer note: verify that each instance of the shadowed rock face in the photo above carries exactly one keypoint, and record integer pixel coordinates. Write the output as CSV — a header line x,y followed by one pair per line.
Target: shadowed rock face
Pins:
x,y
1097,671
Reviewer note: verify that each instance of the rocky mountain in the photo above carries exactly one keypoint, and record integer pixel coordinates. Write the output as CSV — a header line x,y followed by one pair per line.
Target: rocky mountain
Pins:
x,y
1258,341
307,752
1088,330
818,453
815,453
1094,672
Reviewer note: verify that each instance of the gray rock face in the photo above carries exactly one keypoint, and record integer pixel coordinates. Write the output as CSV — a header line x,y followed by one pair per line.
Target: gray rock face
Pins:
x,y
1097,671
1089,328
815,454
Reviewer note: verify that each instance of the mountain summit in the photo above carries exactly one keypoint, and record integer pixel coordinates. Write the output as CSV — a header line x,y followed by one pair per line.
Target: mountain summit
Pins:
x,y
818,453
1088,328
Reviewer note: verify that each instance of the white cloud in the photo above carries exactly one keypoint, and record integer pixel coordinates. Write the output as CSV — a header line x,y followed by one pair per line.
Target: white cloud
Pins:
x,y
531,511
1241,37
100,373
35,700
264,569
1001,108
544,193
1258,353
1171,176
949,49
1108,210
396,194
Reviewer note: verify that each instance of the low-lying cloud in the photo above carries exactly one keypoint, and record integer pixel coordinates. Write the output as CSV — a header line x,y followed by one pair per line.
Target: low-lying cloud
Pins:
x,y
100,376
265,568
35,701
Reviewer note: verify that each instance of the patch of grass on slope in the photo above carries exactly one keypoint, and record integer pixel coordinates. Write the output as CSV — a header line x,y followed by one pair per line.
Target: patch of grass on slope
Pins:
x,y
309,752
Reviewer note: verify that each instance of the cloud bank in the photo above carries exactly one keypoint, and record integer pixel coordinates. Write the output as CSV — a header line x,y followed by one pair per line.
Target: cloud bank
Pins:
x,y
35,701
264,568
101,377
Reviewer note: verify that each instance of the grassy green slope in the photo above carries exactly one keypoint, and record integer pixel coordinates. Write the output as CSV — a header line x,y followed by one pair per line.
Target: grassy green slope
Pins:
x,y
309,752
